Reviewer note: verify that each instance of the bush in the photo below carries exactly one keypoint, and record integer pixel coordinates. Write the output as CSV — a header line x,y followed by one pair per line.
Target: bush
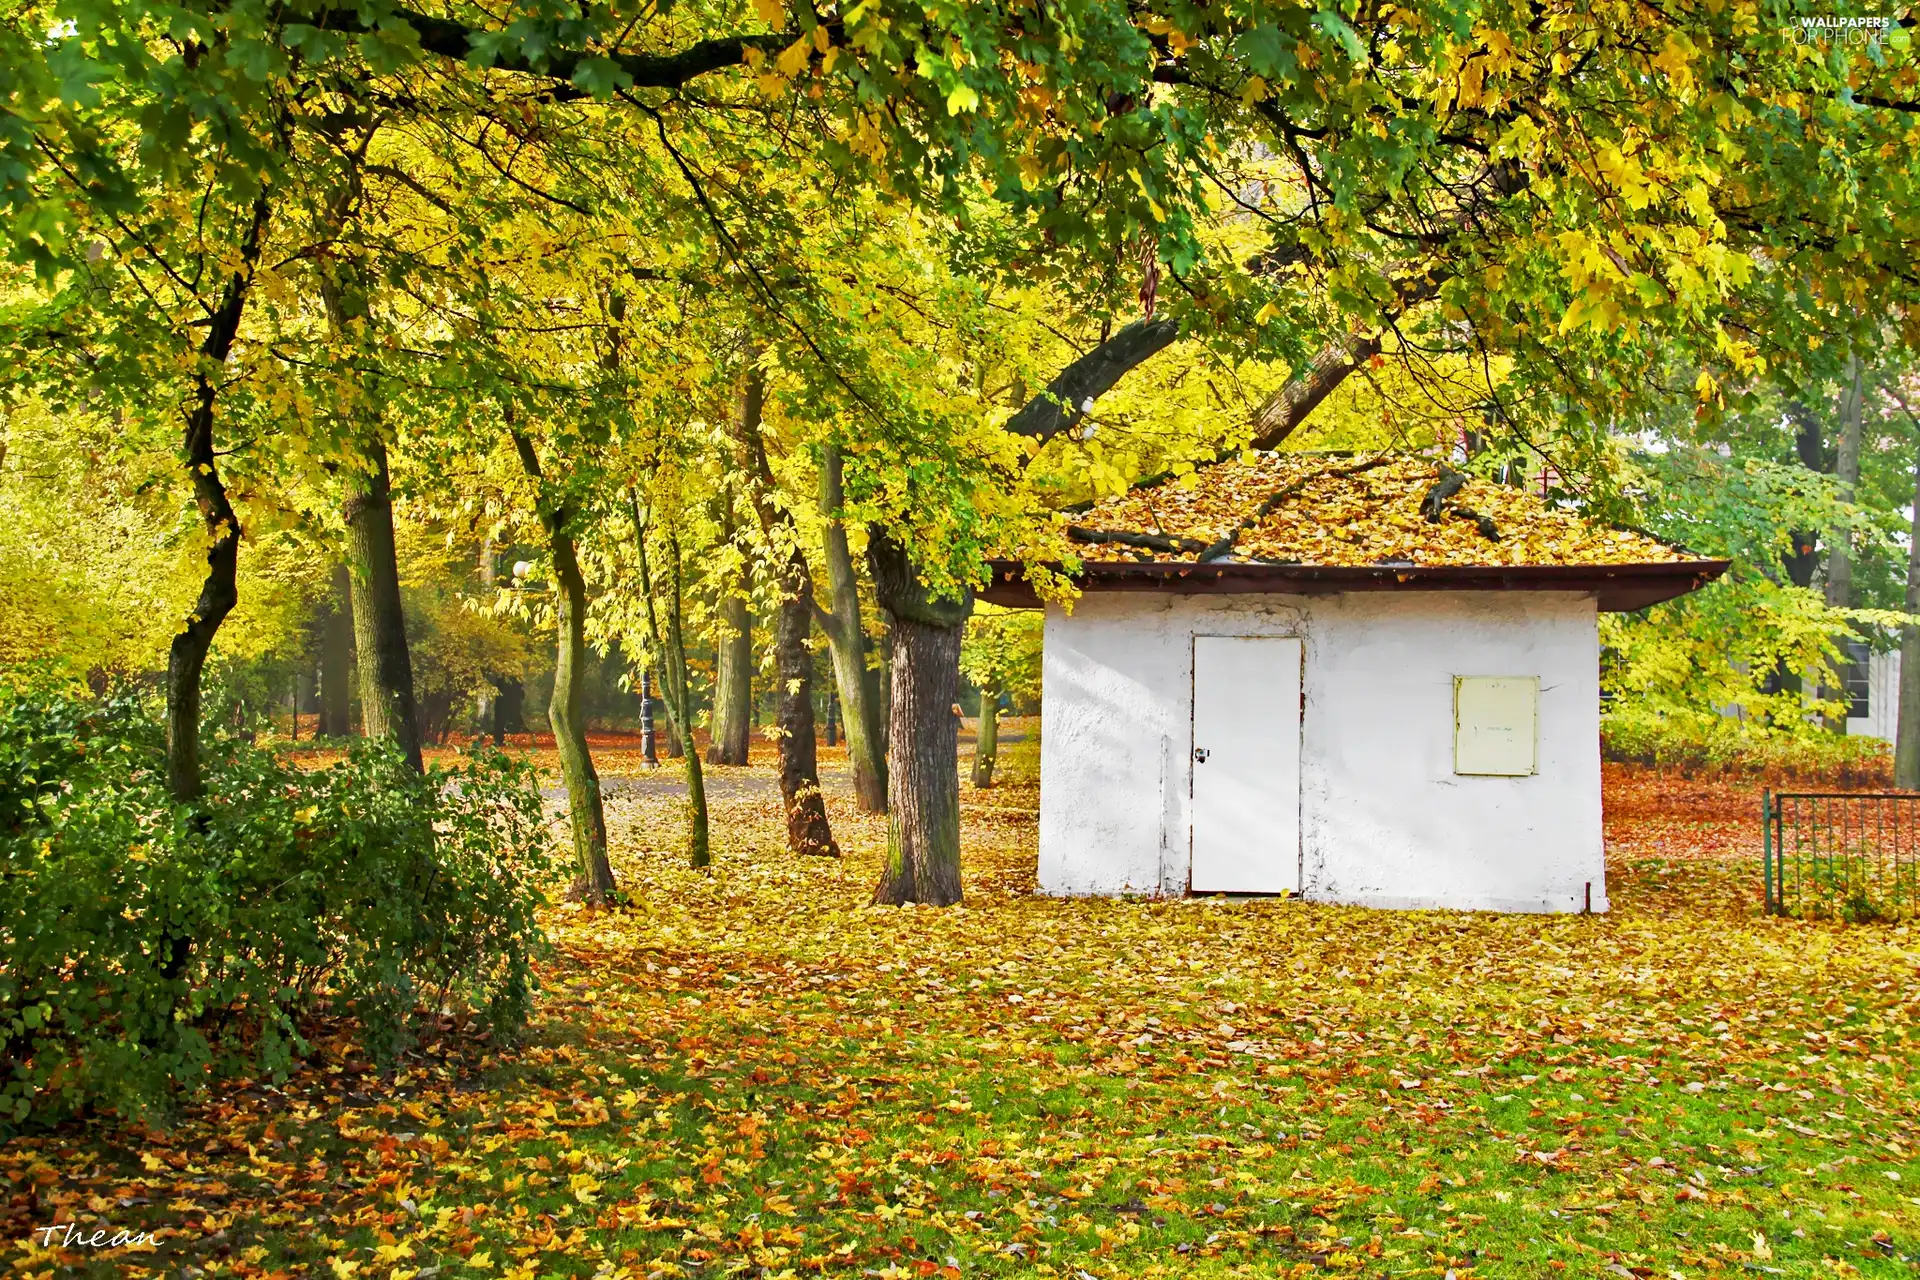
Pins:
x,y
150,946
1710,743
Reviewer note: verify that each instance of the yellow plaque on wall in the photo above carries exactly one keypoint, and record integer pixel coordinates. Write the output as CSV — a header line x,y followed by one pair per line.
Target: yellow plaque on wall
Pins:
x,y
1496,725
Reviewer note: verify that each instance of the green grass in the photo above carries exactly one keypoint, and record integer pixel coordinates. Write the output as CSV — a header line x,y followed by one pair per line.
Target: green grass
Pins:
x,y
753,1074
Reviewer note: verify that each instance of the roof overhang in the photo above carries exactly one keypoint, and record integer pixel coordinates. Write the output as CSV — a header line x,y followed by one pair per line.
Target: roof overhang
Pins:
x,y
1619,588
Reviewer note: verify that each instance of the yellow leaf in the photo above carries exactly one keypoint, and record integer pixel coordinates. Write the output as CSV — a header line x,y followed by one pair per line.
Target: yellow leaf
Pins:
x,y
770,11
793,59
962,99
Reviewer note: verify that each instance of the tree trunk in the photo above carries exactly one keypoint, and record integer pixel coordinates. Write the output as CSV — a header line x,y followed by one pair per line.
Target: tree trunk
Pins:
x,y
1847,471
847,639
219,590
670,644
1839,589
1906,751
588,815
923,815
808,831
986,742
509,709
1802,557
336,659
379,626
485,713
880,691
733,682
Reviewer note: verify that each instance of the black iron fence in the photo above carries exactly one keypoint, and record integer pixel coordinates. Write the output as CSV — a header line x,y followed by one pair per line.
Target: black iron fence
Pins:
x,y
1851,855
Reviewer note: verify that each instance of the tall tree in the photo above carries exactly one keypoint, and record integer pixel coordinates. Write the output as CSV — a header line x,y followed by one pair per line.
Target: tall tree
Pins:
x,y
664,597
387,707
387,698
187,657
732,724
336,657
559,515
808,831
847,638
1906,750
1839,566
923,810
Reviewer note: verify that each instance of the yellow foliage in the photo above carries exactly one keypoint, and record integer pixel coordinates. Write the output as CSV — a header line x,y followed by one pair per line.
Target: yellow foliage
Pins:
x,y
1337,514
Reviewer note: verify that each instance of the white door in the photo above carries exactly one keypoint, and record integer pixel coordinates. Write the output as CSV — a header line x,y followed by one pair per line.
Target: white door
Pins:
x,y
1246,764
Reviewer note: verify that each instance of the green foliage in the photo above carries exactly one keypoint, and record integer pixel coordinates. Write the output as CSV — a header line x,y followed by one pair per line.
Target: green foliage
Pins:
x,y
1702,741
1756,646
149,948
1001,651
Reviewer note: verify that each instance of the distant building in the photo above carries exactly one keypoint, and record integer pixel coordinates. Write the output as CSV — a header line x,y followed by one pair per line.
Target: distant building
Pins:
x,y
1361,680
1873,692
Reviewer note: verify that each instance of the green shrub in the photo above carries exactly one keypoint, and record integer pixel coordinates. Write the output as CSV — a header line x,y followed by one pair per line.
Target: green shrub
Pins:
x,y
1704,742
149,946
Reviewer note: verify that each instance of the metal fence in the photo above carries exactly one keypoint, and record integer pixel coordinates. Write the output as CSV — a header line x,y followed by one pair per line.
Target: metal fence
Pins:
x,y
1850,855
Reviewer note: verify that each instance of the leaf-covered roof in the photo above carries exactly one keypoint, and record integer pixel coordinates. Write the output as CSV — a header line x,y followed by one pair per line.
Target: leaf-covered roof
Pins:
x,y
1322,509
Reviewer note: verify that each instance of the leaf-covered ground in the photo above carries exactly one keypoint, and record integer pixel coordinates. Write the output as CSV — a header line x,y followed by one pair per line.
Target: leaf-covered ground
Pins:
x,y
753,1073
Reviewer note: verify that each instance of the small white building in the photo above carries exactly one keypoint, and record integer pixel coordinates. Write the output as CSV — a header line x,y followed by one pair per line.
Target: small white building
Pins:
x,y
1284,677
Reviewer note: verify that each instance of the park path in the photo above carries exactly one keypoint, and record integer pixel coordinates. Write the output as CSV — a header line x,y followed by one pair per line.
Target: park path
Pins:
x,y
621,777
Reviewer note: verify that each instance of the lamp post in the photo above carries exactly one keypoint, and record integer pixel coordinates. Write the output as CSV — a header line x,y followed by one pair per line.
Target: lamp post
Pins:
x,y
646,719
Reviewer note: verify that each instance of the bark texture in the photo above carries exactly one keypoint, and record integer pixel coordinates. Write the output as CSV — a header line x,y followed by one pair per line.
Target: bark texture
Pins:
x,y
595,884
733,683
847,639
584,804
923,775
1846,468
486,713
336,659
808,831
667,596
219,590
379,625
1906,750
1802,558
1283,411
1061,405
986,742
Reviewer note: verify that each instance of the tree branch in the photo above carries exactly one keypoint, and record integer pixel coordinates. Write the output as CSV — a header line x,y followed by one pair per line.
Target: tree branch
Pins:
x,y
449,39
1063,402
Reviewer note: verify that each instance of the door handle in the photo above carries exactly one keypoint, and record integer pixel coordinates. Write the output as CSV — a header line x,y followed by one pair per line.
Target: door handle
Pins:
x,y
1200,755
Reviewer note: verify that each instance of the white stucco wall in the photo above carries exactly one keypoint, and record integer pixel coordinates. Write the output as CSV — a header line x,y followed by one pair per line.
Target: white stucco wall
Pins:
x,y
1384,819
